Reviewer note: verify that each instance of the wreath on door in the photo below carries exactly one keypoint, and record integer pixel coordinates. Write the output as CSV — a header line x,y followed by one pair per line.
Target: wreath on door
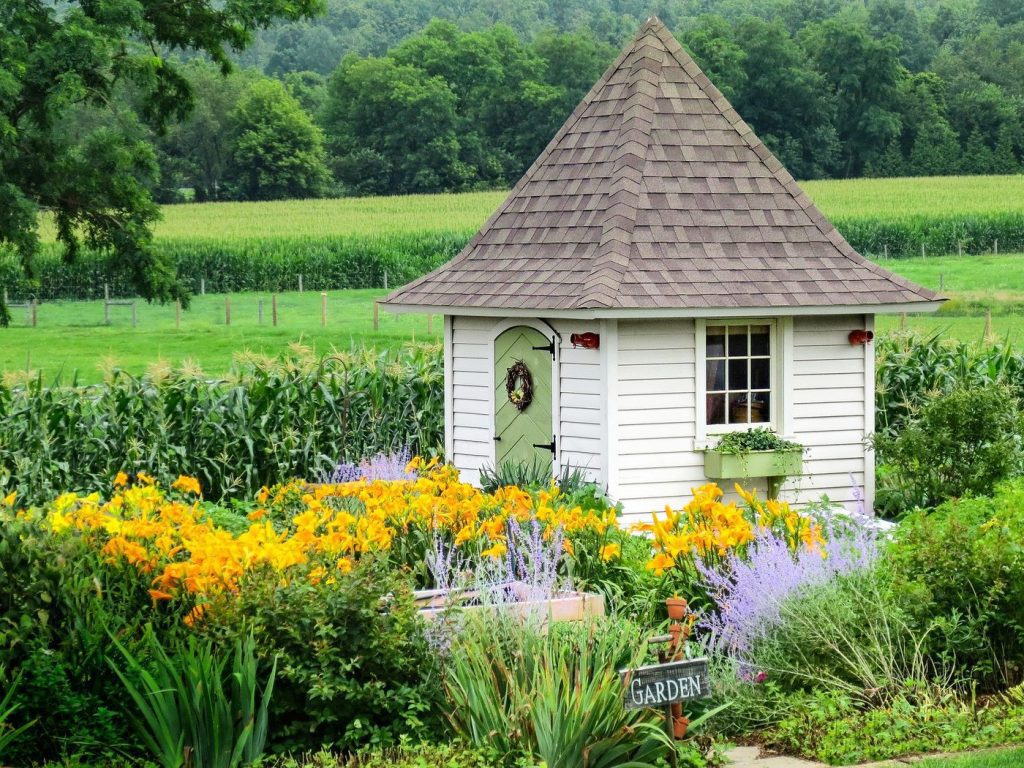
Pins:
x,y
519,385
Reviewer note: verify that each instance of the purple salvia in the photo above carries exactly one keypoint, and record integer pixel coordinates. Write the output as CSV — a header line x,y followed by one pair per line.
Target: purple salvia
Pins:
x,y
382,466
749,591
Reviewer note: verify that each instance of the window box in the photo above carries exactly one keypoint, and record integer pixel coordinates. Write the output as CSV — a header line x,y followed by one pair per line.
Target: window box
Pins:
x,y
718,466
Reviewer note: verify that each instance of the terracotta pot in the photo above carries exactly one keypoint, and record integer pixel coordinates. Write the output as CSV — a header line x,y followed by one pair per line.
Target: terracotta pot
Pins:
x,y
676,608
679,726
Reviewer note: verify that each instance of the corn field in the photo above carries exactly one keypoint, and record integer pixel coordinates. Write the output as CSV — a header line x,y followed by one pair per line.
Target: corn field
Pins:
x,y
910,370
355,242
264,423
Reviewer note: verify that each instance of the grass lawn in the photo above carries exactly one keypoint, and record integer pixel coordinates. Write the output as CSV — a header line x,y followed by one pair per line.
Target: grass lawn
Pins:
x,y
71,337
974,284
1005,758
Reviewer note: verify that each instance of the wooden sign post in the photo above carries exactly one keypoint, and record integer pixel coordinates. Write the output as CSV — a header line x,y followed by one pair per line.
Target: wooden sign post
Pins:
x,y
659,685
664,685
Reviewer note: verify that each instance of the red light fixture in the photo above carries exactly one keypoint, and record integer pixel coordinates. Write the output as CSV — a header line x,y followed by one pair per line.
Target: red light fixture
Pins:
x,y
586,340
860,337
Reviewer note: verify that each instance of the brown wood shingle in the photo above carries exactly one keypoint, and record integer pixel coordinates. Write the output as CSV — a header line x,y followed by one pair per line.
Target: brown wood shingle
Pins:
x,y
655,194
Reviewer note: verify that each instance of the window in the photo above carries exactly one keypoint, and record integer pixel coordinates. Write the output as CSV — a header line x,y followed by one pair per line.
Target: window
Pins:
x,y
738,373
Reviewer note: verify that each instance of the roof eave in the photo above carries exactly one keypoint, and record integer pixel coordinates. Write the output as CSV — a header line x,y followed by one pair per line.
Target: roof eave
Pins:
x,y
680,312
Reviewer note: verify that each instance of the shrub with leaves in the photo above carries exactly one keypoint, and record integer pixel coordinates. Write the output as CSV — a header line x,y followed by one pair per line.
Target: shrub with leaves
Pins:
x,y
963,565
961,443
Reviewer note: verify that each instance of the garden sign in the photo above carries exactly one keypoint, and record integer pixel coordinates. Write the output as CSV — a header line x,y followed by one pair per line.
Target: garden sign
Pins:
x,y
658,685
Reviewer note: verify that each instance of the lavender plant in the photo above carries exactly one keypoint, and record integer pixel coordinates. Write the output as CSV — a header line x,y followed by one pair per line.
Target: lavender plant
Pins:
x,y
382,466
749,591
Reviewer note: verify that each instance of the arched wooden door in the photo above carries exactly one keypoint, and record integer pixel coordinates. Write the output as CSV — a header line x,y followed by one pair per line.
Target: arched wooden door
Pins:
x,y
523,433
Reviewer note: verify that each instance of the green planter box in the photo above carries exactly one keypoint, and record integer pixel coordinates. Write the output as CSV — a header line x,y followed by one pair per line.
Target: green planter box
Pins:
x,y
754,464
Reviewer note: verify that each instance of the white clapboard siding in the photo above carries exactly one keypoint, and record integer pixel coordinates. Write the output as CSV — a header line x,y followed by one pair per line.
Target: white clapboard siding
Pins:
x,y
582,423
827,408
656,408
473,422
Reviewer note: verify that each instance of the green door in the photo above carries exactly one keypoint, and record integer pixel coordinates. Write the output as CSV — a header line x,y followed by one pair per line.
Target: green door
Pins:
x,y
517,431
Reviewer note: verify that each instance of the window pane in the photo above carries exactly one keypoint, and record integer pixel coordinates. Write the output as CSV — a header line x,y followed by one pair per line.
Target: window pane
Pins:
x,y
716,375
760,408
716,409
738,374
737,342
760,373
738,408
716,342
759,340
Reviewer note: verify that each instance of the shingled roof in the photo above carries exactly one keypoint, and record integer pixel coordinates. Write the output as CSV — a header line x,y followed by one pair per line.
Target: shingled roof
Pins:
x,y
655,195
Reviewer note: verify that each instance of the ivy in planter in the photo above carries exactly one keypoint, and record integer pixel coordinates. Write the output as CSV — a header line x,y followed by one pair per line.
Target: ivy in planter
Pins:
x,y
757,439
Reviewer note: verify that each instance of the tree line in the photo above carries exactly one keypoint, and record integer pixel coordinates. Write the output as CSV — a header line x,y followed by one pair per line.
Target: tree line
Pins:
x,y
876,89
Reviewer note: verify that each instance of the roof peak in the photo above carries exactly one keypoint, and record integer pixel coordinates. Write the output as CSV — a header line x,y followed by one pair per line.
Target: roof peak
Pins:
x,y
655,194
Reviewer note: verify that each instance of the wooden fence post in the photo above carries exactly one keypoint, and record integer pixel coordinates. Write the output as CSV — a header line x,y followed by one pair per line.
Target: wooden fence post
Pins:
x,y
35,312
903,321
135,318
430,325
177,313
259,311
376,316
300,282
323,309
273,309
988,326
106,304
227,310
202,286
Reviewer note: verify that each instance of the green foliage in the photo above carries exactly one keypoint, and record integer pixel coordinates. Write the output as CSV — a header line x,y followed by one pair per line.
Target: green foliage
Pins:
x,y
756,439
407,755
353,665
60,605
911,370
961,443
552,693
533,474
291,418
73,63
963,564
196,710
249,264
830,726
9,733
277,151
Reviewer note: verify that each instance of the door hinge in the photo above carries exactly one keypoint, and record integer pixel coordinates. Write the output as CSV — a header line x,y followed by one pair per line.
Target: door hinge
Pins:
x,y
549,347
549,446
497,438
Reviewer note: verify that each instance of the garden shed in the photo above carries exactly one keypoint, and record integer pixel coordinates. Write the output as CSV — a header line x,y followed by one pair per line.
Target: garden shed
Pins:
x,y
654,280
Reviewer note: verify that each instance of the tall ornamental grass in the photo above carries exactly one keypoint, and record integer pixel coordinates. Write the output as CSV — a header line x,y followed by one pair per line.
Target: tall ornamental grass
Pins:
x,y
263,423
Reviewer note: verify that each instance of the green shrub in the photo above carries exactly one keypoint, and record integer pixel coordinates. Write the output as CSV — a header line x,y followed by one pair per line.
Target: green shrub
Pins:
x,y
263,424
964,565
832,727
961,443
404,756
353,665
60,606
551,692
193,710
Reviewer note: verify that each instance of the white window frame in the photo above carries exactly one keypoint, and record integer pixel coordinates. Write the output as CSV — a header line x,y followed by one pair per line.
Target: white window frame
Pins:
x,y
781,353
